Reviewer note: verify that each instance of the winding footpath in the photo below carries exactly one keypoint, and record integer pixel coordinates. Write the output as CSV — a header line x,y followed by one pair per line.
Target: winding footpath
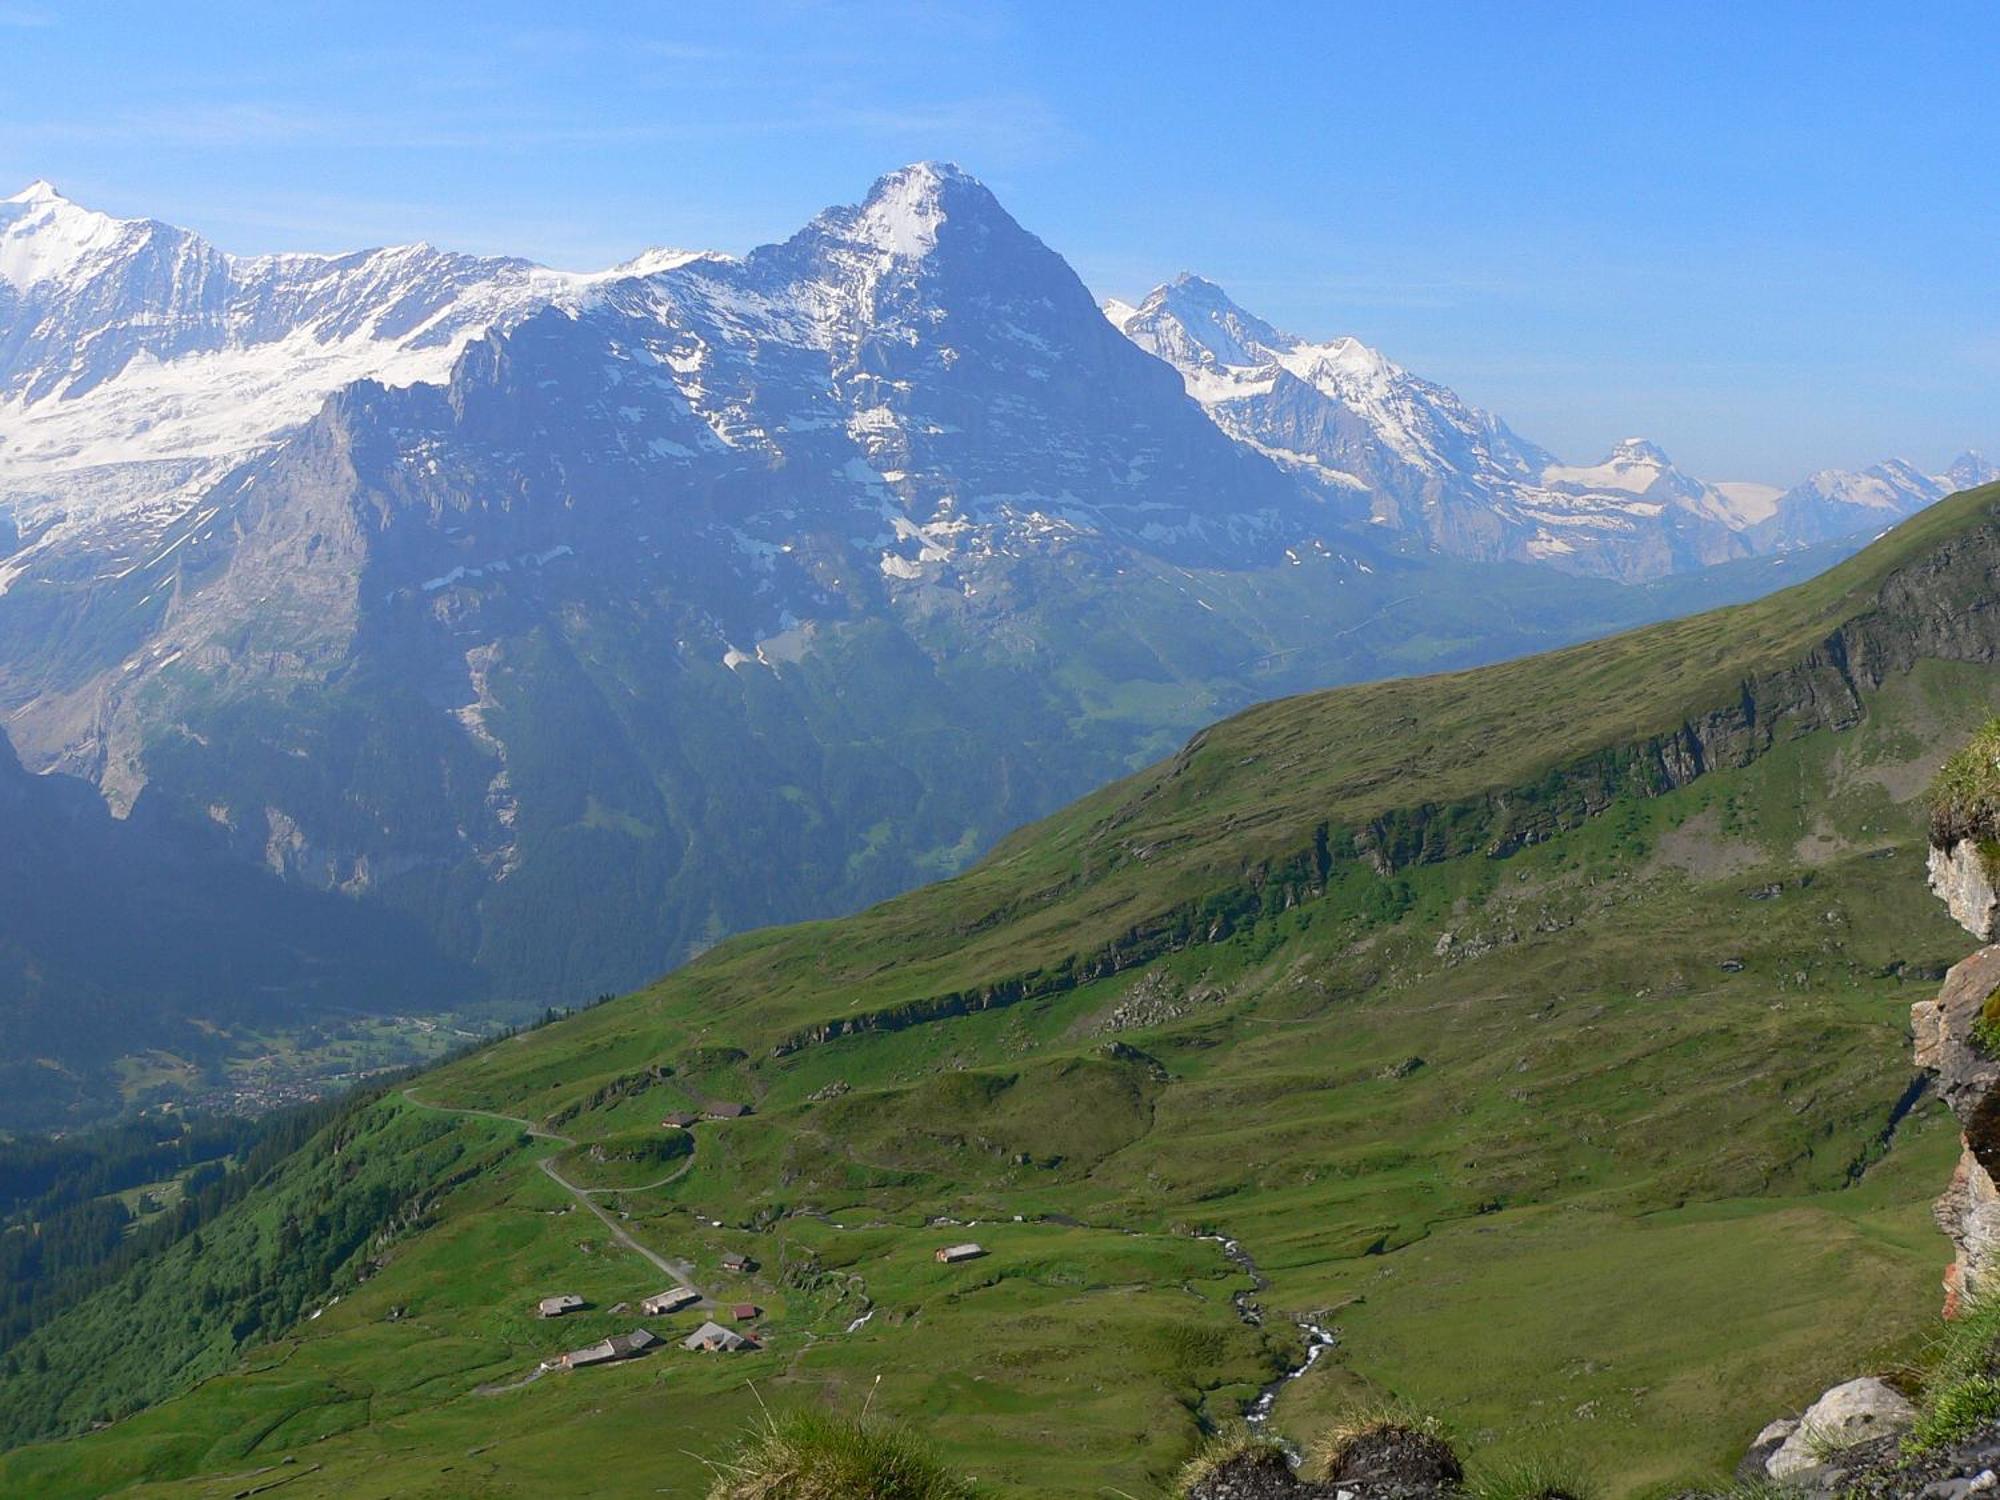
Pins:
x,y
681,1270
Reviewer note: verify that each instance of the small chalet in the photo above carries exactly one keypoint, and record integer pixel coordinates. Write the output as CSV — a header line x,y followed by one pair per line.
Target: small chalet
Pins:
x,y
713,1338
638,1341
661,1303
951,1255
743,1312
679,1120
734,1262
726,1110
556,1306
604,1351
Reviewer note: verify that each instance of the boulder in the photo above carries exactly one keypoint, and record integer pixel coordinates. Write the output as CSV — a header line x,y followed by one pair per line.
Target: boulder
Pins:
x,y
1768,1442
1961,879
1844,1417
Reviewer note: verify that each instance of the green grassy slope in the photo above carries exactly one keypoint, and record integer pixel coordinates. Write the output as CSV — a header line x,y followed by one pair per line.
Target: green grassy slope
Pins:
x,y
1563,1084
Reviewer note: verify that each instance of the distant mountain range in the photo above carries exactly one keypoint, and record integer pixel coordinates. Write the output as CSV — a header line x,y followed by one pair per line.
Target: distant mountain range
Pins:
x,y
587,619
1389,448
138,363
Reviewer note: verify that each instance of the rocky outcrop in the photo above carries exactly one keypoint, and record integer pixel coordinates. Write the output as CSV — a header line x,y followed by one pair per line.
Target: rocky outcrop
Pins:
x,y
1953,1038
1945,1045
1962,878
1756,1465
1969,1214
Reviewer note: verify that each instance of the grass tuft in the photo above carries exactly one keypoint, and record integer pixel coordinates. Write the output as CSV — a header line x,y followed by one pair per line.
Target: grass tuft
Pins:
x,y
1223,1449
1529,1479
1965,795
1961,1387
1967,1346
815,1455
1954,1412
1986,1029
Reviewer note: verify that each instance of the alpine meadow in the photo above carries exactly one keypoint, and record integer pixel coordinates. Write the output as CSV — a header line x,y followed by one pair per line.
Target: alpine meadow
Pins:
x,y
891,867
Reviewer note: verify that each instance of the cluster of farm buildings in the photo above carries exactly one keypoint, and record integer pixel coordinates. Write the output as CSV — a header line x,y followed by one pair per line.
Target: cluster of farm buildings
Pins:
x,y
711,1338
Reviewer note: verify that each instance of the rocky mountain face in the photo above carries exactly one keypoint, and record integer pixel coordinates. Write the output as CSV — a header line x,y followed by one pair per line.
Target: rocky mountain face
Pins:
x,y
1386,447
735,591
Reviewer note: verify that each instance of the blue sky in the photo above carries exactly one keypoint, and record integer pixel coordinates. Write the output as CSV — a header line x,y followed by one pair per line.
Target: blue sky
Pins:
x,y
1762,235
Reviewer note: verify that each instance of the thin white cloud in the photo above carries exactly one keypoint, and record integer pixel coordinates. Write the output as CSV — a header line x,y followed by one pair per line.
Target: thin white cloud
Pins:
x,y
686,51
1009,127
190,125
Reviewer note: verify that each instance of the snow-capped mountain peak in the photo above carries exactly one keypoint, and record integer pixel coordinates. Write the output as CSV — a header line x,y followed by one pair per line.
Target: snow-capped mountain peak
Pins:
x,y
1192,321
1638,450
658,258
1639,468
137,361
1340,360
44,237
905,210
1969,470
1634,466
1339,412
1842,502
1901,470
1350,420
1226,353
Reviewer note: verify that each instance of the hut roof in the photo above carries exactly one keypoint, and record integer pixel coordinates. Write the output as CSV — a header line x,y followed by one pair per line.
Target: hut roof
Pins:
x,y
713,1336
